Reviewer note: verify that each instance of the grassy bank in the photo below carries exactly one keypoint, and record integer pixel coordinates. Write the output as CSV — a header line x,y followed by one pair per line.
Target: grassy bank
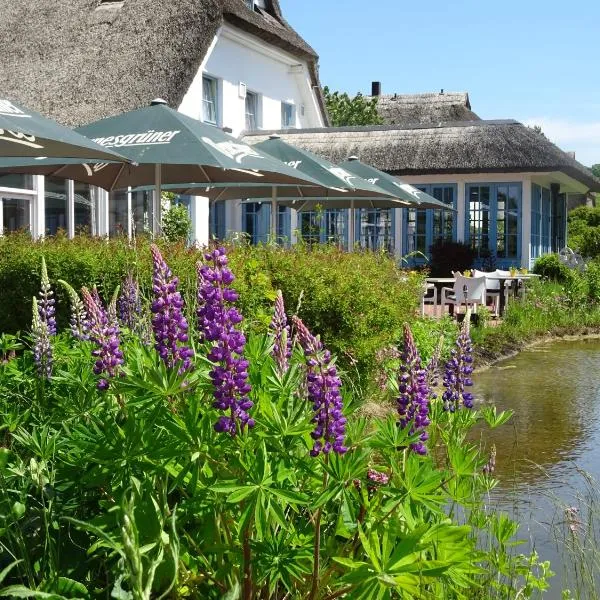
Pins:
x,y
564,302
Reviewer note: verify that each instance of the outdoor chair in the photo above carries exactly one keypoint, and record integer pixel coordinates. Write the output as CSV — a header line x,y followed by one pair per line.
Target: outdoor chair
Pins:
x,y
492,289
428,296
466,290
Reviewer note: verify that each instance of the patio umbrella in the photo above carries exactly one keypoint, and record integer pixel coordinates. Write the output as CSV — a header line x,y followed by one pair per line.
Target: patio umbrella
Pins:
x,y
26,134
337,186
415,197
170,147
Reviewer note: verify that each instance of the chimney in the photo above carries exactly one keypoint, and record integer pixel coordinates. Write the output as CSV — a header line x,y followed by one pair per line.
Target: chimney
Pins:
x,y
376,88
571,153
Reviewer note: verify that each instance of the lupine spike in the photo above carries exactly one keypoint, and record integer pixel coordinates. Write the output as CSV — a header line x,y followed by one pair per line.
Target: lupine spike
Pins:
x,y
129,305
42,348
414,393
457,375
104,332
168,321
78,320
112,306
324,392
218,320
282,347
46,303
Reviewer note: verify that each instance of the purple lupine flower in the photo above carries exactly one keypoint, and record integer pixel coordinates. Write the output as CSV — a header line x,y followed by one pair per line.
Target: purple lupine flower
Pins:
x,y
433,367
104,332
46,307
457,375
414,393
282,347
168,322
324,391
129,304
78,321
217,322
377,477
42,349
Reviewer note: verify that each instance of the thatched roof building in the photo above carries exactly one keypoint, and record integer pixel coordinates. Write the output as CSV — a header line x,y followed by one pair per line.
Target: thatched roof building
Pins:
x,y
80,60
422,109
446,148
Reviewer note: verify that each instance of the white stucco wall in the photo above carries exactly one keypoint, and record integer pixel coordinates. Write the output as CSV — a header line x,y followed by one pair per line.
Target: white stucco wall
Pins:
x,y
235,58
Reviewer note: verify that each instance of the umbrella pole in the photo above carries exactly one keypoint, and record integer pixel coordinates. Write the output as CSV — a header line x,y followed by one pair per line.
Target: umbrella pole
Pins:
x,y
157,204
274,215
351,227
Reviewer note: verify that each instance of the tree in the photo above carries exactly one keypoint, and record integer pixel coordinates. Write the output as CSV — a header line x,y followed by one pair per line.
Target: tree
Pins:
x,y
538,129
345,111
596,169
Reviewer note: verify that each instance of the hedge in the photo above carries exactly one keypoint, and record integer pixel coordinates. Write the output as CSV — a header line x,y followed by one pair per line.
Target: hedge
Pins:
x,y
358,302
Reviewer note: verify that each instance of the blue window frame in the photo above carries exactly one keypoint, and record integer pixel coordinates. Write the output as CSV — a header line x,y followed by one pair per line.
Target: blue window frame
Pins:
x,y
536,221
493,222
375,228
217,225
284,225
544,237
323,227
423,228
256,222
256,217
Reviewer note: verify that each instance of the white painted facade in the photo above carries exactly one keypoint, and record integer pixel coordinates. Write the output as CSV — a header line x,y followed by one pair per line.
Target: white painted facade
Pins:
x,y
240,63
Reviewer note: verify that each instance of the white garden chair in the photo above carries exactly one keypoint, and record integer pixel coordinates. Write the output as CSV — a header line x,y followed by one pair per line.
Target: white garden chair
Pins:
x,y
466,290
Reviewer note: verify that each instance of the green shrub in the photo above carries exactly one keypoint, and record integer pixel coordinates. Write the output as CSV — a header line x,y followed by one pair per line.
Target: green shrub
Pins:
x,y
357,302
450,256
176,223
551,267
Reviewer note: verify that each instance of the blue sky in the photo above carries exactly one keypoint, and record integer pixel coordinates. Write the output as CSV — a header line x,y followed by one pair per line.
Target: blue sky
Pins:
x,y
531,60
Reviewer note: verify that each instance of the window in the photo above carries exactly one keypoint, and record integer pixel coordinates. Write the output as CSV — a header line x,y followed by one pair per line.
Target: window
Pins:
x,y
251,111
323,226
288,115
216,225
17,181
209,100
55,192
494,223
376,228
256,221
425,227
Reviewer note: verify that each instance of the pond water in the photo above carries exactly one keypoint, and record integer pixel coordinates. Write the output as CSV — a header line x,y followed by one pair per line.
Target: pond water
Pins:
x,y
549,450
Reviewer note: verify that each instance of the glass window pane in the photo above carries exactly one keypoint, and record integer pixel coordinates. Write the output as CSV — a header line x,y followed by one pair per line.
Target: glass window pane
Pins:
x,y
117,213
16,213
209,100
14,180
287,115
85,209
55,194
251,111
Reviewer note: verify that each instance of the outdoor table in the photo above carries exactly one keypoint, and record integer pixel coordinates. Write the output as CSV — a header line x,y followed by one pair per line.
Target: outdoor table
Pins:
x,y
503,279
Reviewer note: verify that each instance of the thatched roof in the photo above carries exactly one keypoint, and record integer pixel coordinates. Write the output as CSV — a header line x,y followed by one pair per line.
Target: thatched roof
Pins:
x,y
452,148
80,60
434,108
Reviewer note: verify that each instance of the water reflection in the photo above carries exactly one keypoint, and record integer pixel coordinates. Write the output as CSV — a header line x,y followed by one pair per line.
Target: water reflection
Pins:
x,y
554,392
548,449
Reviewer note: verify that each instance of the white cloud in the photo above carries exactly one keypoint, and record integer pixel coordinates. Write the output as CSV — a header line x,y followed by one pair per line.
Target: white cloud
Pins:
x,y
582,138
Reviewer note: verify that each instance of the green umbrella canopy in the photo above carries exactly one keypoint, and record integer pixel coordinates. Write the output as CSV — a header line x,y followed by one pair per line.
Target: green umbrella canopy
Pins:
x,y
25,134
337,185
169,147
411,194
